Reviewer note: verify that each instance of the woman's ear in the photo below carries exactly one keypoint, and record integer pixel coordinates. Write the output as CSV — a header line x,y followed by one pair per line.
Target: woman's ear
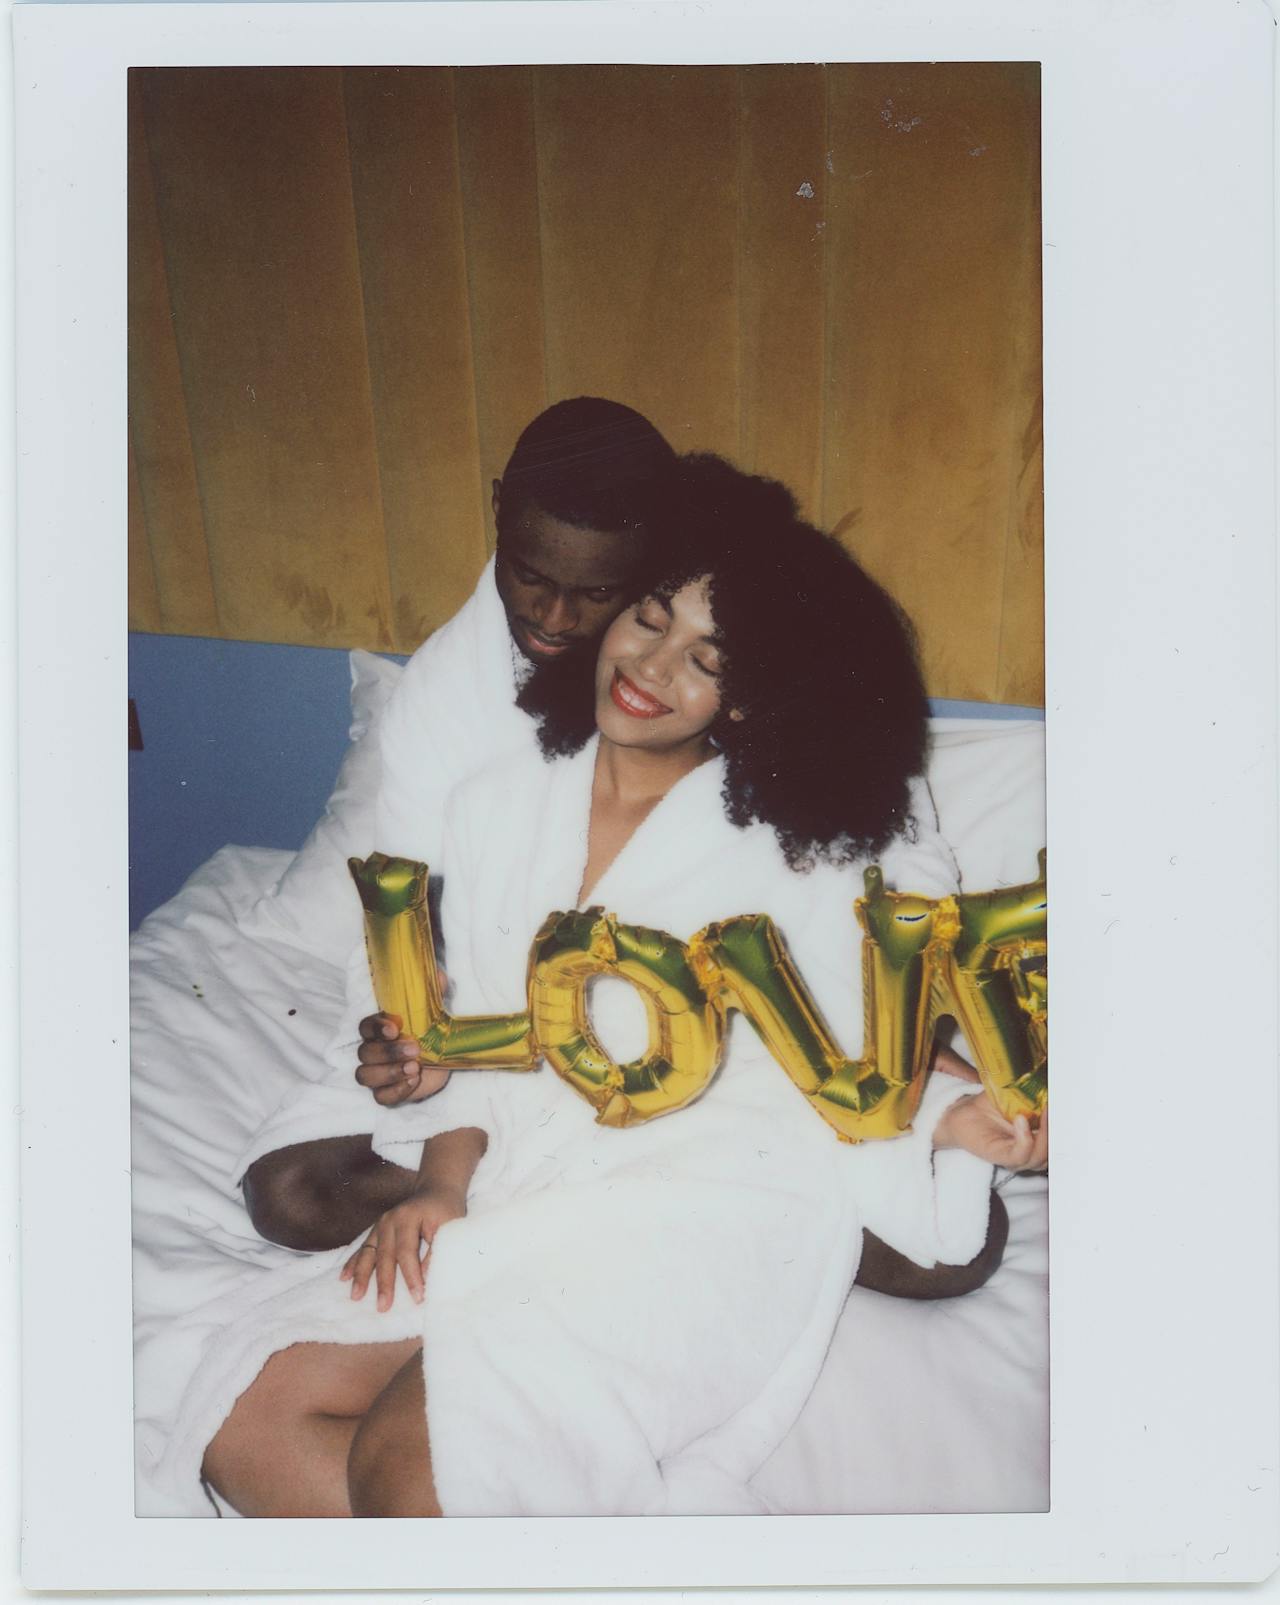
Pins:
x,y
737,715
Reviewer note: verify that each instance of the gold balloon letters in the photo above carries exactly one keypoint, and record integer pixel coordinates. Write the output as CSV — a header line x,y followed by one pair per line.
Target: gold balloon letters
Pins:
x,y
686,1030
979,957
402,959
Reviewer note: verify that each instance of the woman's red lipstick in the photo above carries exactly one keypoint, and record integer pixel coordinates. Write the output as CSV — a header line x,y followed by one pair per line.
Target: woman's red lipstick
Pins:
x,y
634,702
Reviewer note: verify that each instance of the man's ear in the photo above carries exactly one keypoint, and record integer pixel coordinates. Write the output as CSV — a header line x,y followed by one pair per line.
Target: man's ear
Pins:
x,y
497,497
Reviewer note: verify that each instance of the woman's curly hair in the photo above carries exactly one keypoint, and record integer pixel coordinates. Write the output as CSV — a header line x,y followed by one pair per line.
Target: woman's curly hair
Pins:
x,y
818,659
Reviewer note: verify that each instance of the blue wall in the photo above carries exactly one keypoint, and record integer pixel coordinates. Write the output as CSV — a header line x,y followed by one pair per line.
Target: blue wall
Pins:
x,y
241,743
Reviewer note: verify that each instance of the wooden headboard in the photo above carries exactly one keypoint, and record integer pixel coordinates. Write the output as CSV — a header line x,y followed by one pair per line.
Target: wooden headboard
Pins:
x,y
349,289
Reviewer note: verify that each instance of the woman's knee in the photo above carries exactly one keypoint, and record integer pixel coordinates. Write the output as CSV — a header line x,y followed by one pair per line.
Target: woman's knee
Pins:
x,y
389,1465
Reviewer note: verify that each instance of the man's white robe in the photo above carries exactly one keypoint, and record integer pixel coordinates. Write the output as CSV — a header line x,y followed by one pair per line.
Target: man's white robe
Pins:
x,y
453,712
627,1322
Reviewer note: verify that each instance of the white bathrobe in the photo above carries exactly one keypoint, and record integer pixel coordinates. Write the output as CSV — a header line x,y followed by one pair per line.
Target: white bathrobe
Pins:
x,y
453,712
626,1322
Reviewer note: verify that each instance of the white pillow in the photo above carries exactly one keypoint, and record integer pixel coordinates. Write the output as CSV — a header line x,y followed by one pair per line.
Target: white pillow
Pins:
x,y
987,778
314,905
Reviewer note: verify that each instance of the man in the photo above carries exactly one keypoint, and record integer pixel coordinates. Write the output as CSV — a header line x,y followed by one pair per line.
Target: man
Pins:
x,y
570,511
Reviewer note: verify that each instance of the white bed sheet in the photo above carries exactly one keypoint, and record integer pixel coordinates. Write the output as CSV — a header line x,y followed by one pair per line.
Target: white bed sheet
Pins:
x,y
920,1407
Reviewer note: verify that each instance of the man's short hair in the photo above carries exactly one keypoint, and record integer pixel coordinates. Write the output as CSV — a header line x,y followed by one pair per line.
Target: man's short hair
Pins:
x,y
589,462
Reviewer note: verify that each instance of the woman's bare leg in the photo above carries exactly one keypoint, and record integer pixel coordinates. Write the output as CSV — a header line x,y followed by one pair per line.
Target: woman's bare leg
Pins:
x,y
389,1469
283,1449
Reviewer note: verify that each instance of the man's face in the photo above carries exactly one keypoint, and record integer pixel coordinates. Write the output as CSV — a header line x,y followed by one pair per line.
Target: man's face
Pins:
x,y
560,584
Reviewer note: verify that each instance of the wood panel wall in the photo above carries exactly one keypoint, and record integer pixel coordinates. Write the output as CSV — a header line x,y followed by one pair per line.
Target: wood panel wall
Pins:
x,y
350,289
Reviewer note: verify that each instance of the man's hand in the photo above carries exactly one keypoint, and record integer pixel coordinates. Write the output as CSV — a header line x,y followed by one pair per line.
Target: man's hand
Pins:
x,y
977,1126
389,1063
396,1242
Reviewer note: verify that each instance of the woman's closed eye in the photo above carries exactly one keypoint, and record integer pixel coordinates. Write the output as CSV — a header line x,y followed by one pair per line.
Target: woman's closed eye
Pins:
x,y
655,618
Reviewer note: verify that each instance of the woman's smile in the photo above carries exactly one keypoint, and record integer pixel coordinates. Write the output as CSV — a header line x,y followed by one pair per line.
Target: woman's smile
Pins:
x,y
657,676
632,700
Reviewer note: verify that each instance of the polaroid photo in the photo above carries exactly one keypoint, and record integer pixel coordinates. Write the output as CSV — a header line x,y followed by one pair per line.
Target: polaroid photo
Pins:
x,y
617,474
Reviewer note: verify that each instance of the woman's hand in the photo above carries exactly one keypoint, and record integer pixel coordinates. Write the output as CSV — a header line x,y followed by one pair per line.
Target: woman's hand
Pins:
x,y
389,1063
951,1064
977,1126
396,1241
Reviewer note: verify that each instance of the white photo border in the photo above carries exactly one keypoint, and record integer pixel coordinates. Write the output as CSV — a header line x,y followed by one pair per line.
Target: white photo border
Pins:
x,y
1161,708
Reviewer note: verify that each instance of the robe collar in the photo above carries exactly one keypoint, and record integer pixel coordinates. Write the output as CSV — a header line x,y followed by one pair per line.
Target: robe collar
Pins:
x,y
669,836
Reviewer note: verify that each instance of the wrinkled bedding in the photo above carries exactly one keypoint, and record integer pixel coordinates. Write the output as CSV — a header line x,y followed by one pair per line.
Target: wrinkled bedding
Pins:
x,y
919,1407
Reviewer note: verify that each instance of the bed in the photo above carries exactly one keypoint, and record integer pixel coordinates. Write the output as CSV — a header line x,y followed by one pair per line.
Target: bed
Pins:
x,y
238,983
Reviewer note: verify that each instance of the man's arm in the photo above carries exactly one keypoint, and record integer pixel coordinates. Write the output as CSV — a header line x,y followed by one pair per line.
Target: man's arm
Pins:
x,y
453,708
323,1194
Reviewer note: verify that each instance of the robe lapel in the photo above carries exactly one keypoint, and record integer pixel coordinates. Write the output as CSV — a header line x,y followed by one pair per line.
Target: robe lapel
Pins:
x,y
558,851
670,845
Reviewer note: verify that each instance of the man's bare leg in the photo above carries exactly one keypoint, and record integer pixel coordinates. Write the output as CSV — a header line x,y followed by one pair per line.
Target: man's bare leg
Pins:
x,y
883,1270
322,1194
283,1450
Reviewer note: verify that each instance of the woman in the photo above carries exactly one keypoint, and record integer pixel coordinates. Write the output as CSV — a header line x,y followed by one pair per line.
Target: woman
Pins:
x,y
628,1321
